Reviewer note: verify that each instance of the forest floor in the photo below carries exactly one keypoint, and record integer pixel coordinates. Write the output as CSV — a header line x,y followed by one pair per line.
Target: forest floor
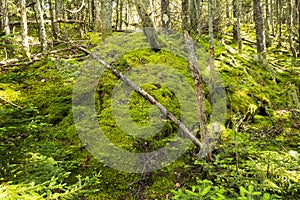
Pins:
x,y
42,156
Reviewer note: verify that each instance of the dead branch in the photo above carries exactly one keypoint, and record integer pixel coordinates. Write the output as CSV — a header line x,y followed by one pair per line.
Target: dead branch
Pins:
x,y
6,101
147,96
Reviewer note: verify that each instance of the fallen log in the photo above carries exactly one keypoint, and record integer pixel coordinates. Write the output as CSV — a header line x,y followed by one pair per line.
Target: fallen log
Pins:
x,y
147,96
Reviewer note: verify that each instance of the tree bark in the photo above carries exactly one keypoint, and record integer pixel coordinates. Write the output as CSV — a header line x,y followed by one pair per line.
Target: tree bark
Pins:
x,y
227,9
117,14
148,27
259,27
165,14
43,37
193,64
299,24
106,18
237,24
194,16
272,17
121,15
24,28
206,137
267,25
185,15
52,18
8,49
290,27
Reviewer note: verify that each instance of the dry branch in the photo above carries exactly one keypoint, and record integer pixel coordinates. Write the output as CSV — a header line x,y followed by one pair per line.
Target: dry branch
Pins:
x,y
147,96
6,101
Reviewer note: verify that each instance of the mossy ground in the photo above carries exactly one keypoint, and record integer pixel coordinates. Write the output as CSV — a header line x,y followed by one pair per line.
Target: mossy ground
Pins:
x,y
39,141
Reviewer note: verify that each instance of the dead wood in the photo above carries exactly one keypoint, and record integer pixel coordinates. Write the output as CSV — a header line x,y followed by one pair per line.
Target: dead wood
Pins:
x,y
147,96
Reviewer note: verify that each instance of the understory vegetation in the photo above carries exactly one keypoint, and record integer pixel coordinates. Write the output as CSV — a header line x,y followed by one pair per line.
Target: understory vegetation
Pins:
x,y
257,156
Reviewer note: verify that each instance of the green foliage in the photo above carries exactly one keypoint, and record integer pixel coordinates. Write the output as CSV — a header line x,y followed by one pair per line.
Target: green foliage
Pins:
x,y
42,156
45,179
203,190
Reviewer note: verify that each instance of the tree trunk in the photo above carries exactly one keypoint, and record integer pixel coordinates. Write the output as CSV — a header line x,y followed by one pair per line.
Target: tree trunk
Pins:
x,y
165,14
267,22
236,26
121,14
5,18
299,24
259,27
279,21
290,27
24,28
106,18
185,15
148,27
194,16
206,136
52,18
117,14
98,20
43,38
227,9
58,15
272,18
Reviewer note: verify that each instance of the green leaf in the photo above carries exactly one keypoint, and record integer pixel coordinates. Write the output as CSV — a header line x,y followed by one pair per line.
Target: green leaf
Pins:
x,y
206,190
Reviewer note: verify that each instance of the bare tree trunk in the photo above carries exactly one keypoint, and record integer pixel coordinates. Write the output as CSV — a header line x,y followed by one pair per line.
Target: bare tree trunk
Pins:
x,y
206,137
106,18
237,24
117,14
193,64
195,15
121,14
259,27
290,27
299,24
279,20
58,15
148,27
185,15
24,28
272,18
8,49
93,13
165,14
267,25
98,12
227,10
42,29
52,18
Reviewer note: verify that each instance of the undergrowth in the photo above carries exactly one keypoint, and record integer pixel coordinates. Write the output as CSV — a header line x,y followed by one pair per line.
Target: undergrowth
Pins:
x,y
42,156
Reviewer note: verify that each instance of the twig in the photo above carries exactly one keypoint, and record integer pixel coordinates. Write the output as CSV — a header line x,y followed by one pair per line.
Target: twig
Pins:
x,y
11,103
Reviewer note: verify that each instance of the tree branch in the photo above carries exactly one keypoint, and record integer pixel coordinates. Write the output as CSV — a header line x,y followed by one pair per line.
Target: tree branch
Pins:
x,y
147,96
